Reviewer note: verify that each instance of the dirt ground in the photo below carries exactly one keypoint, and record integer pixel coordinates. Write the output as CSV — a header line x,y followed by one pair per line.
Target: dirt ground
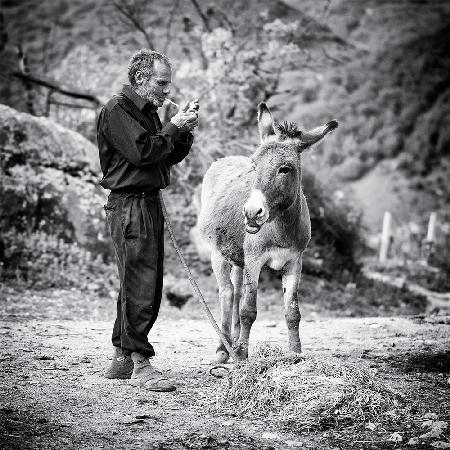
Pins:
x,y
53,394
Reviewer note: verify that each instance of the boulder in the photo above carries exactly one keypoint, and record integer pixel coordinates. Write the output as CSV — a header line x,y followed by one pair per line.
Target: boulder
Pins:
x,y
26,139
49,182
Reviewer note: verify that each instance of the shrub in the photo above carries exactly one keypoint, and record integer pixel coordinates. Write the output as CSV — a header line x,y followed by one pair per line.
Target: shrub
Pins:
x,y
40,260
336,226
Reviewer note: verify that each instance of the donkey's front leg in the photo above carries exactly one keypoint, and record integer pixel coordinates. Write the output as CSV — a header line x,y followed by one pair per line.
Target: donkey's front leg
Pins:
x,y
291,280
236,279
222,270
247,308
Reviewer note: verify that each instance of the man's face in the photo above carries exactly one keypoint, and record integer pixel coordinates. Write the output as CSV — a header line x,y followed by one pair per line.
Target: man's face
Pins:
x,y
155,88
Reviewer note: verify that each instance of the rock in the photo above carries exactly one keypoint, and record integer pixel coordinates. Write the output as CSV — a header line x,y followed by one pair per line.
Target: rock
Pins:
x,y
30,140
178,290
270,435
228,423
49,183
440,444
292,443
395,437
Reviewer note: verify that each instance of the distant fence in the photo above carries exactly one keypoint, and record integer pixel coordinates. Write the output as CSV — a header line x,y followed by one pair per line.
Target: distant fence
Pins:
x,y
411,242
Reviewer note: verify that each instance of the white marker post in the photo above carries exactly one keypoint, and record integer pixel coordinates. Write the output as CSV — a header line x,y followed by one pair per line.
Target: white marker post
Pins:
x,y
431,237
431,234
385,237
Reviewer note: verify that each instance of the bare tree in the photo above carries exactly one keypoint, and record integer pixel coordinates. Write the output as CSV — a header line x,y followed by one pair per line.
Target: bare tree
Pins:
x,y
55,87
132,15
24,71
176,3
202,15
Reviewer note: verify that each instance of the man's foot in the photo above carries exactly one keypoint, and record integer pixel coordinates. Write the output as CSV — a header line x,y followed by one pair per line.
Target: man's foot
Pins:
x,y
121,366
147,377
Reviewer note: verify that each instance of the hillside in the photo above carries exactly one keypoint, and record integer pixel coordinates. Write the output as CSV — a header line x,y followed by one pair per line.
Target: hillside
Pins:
x,y
393,103
381,69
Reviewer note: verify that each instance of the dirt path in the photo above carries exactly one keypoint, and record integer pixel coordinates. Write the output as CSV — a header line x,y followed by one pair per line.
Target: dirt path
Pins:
x,y
53,394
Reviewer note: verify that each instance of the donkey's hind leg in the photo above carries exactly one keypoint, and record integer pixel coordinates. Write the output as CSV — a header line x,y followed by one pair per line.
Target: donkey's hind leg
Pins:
x,y
222,270
236,278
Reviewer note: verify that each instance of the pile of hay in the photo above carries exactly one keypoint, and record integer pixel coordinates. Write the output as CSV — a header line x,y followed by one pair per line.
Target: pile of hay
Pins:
x,y
306,393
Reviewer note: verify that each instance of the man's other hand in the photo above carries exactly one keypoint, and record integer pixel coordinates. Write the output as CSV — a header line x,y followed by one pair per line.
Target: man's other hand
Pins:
x,y
192,106
185,120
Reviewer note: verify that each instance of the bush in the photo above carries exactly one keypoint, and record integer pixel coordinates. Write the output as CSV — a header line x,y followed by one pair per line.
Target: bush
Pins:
x,y
41,261
336,229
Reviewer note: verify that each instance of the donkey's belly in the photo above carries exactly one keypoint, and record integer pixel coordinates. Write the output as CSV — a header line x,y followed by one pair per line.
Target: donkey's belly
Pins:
x,y
277,258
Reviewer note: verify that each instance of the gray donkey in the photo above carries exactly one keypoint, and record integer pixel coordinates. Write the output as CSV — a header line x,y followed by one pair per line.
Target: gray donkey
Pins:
x,y
254,214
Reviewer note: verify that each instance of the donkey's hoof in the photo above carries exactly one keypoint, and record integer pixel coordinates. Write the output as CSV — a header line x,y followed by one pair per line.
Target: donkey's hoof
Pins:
x,y
241,350
221,357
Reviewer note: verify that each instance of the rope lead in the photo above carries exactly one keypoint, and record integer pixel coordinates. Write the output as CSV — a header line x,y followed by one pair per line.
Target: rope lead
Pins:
x,y
197,291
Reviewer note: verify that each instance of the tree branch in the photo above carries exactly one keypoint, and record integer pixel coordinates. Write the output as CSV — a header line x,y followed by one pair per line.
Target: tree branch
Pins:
x,y
169,24
202,15
132,17
25,70
57,88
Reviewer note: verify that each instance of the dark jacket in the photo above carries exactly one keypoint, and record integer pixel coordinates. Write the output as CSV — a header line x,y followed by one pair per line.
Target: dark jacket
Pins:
x,y
135,151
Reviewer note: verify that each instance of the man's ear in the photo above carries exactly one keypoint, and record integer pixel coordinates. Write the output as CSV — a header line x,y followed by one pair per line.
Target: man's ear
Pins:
x,y
265,122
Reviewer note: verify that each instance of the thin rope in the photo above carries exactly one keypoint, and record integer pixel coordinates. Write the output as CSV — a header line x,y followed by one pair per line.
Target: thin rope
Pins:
x,y
197,291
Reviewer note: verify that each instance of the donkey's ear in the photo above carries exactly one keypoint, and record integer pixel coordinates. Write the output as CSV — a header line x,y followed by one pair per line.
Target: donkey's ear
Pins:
x,y
265,121
315,135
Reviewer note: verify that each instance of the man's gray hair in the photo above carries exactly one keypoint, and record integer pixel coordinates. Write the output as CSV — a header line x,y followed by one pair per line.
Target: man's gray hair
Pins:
x,y
142,61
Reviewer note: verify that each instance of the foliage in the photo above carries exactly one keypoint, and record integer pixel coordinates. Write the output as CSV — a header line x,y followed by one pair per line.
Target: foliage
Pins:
x,y
40,260
397,111
50,207
336,229
432,277
360,297
40,230
236,75
393,99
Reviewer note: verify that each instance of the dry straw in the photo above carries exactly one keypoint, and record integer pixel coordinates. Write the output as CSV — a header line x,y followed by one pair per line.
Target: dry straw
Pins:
x,y
306,392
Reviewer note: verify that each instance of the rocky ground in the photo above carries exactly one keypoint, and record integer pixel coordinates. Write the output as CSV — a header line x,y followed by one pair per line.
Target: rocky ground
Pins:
x,y
53,394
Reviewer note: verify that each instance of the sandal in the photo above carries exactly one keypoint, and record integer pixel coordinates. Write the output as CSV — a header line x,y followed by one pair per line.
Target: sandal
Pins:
x,y
152,380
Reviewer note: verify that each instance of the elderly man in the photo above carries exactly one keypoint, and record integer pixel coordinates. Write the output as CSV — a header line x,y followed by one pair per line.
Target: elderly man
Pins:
x,y
136,153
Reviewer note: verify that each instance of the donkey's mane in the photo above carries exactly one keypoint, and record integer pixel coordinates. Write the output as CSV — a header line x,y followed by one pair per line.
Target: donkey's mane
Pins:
x,y
288,129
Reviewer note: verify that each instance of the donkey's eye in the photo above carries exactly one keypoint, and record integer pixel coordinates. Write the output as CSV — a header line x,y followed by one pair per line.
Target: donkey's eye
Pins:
x,y
284,169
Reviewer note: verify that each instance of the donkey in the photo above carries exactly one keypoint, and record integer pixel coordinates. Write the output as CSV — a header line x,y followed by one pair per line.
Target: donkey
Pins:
x,y
254,214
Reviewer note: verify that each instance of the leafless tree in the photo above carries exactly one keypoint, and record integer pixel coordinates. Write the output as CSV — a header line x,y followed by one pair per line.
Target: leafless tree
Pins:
x,y
132,14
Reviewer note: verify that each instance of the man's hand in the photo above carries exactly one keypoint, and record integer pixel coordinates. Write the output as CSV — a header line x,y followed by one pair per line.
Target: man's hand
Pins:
x,y
192,106
185,120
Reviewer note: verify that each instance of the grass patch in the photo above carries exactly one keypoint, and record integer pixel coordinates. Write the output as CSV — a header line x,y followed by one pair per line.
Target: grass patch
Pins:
x,y
307,392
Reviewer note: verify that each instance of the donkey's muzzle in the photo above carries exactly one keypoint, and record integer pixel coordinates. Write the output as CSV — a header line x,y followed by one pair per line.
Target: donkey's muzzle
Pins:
x,y
252,227
252,224
255,211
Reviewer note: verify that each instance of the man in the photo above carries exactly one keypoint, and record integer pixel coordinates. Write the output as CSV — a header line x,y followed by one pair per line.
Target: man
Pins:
x,y
136,153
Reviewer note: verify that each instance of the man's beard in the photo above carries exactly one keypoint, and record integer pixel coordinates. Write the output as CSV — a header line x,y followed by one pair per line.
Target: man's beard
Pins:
x,y
148,95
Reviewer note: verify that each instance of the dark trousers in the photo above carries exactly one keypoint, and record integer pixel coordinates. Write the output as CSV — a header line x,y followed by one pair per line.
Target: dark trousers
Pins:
x,y
136,225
